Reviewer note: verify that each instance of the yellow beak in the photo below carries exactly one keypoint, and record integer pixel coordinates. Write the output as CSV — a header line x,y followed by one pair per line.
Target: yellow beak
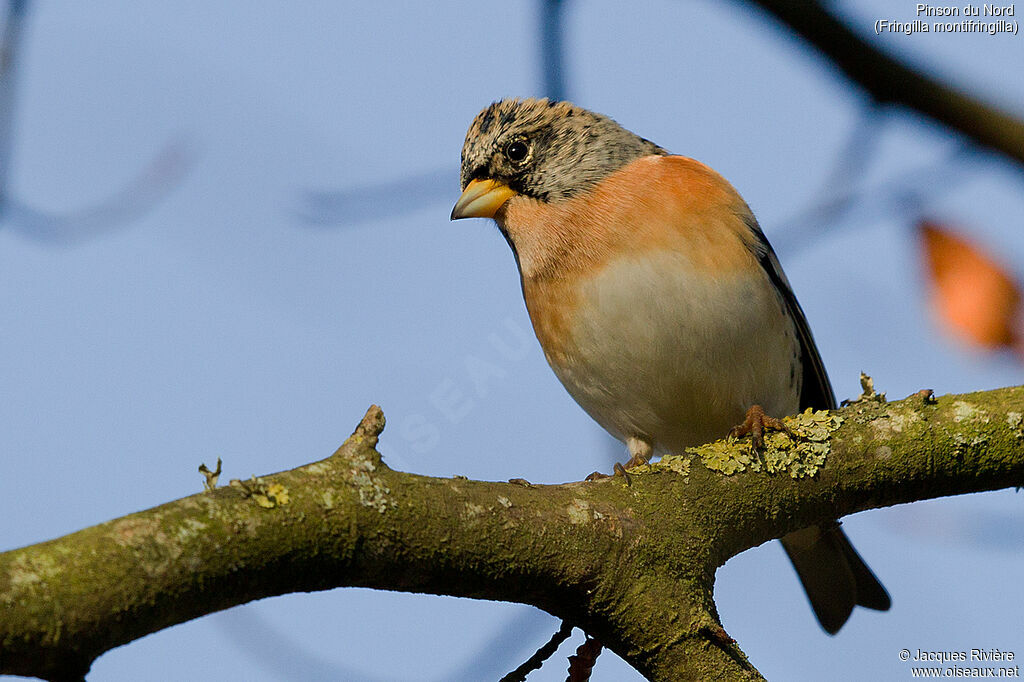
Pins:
x,y
481,199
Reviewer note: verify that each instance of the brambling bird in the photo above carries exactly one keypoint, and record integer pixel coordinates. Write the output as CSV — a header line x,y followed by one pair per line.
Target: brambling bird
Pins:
x,y
658,301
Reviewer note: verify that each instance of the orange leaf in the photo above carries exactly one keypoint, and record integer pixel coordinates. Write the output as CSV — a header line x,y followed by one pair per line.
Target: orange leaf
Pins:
x,y
972,294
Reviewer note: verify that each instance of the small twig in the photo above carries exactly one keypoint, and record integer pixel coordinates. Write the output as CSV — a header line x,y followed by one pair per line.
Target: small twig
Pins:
x,y
542,654
211,476
867,385
868,393
371,426
582,664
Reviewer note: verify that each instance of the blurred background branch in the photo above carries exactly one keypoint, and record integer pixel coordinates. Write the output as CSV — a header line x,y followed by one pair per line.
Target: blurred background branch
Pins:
x,y
552,48
889,80
886,79
13,24
268,106
353,206
138,196
132,201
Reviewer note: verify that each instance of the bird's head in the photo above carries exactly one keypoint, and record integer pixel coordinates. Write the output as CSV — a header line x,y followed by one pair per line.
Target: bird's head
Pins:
x,y
549,151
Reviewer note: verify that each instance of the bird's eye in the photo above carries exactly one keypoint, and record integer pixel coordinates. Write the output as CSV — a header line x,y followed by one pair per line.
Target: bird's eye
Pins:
x,y
516,151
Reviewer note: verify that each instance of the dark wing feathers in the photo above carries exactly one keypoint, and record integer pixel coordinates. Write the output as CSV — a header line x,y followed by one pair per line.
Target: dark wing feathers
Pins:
x,y
816,389
834,576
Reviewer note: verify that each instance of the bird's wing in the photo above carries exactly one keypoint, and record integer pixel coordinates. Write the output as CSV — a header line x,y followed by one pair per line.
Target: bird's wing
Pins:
x,y
816,390
705,205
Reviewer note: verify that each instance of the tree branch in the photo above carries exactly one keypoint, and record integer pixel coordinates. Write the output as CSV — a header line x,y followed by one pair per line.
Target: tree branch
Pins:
x,y
889,80
630,560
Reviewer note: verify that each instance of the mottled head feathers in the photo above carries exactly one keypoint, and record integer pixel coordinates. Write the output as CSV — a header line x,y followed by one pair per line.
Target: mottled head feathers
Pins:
x,y
547,150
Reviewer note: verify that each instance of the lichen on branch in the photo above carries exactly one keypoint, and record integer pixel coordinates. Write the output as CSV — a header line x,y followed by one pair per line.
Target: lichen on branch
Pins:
x,y
620,558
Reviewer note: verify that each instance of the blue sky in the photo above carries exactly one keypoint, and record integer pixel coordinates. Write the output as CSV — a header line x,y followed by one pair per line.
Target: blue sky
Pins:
x,y
242,318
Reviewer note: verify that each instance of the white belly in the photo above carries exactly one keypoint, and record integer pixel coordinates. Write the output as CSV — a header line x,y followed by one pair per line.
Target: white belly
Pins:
x,y
671,356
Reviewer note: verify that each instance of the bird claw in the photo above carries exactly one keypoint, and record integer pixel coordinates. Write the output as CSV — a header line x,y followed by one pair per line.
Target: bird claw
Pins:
x,y
635,461
620,471
755,424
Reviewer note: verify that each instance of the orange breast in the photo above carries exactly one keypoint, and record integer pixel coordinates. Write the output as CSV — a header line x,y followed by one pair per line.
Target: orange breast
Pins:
x,y
655,203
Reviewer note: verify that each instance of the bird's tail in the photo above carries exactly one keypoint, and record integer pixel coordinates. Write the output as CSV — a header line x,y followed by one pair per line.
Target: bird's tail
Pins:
x,y
834,576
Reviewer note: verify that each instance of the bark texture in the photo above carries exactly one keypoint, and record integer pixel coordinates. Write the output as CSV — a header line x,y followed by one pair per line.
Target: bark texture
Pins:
x,y
630,560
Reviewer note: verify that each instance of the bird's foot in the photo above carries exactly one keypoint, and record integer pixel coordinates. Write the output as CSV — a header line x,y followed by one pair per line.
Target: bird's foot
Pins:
x,y
755,424
640,451
637,460
620,471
